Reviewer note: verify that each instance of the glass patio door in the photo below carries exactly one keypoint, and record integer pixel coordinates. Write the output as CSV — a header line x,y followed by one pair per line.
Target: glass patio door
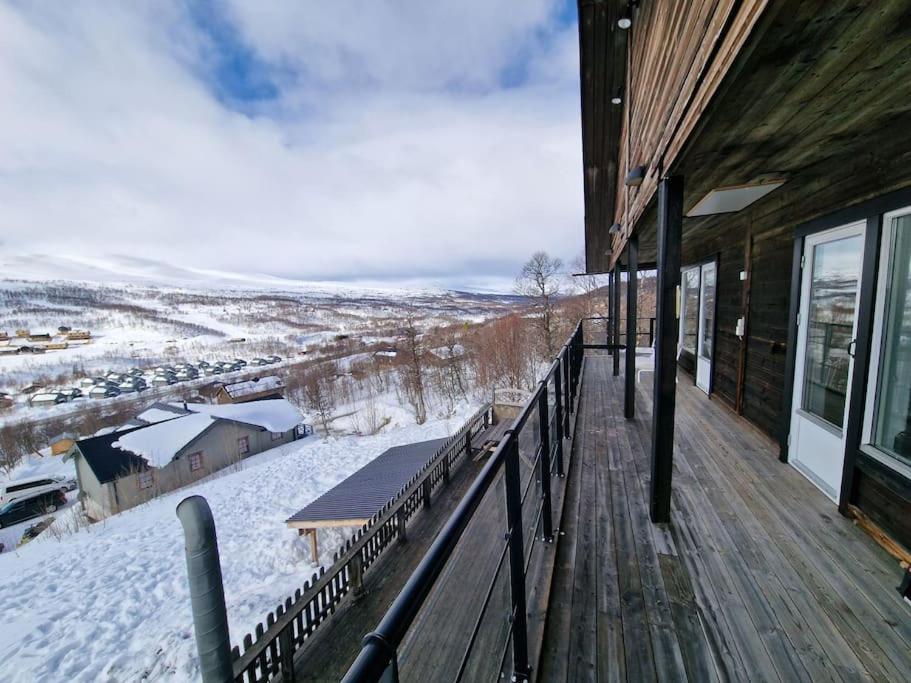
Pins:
x,y
826,334
706,339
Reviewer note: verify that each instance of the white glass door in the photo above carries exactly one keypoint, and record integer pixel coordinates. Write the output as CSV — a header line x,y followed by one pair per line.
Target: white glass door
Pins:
x,y
706,340
824,362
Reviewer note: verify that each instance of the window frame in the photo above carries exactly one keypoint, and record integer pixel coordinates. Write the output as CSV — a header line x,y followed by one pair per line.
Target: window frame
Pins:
x,y
697,267
276,436
883,277
243,445
145,475
198,456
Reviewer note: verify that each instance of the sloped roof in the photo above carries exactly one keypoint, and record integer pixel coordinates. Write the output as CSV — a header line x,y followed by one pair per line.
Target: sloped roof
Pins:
x,y
274,415
254,386
108,463
158,443
362,494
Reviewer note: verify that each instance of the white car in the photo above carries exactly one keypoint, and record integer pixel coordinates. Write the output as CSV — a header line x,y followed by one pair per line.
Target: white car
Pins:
x,y
31,486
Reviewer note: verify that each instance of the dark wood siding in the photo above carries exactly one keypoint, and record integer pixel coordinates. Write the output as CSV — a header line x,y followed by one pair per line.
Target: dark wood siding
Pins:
x,y
768,338
885,498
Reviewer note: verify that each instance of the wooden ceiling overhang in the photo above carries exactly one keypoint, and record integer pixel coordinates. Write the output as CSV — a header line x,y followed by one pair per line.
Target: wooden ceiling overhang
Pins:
x,y
814,93
602,47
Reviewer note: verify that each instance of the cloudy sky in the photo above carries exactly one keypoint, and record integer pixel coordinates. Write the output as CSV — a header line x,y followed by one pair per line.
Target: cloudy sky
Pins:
x,y
365,140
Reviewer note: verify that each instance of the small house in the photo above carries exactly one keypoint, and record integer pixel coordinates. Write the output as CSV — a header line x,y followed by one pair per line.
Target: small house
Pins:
x,y
255,389
78,335
62,443
42,337
179,444
48,398
31,388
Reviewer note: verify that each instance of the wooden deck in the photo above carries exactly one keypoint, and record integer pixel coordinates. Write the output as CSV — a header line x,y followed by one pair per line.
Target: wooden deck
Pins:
x,y
756,578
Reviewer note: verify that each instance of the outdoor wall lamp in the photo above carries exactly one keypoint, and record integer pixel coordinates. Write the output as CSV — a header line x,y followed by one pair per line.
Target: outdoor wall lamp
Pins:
x,y
618,97
626,19
635,176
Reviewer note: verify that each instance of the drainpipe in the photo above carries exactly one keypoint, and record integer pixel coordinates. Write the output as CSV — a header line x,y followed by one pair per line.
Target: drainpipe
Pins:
x,y
207,594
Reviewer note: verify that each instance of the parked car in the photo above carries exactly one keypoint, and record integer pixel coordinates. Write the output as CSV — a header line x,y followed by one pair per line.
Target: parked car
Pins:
x,y
275,359
72,392
104,391
239,361
259,361
26,508
30,486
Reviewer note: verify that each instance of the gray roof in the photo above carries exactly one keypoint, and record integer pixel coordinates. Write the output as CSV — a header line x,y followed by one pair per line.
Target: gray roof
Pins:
x,y
361,495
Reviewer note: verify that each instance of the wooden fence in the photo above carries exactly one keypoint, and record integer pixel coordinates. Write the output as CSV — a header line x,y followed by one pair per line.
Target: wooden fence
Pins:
x,y
269,651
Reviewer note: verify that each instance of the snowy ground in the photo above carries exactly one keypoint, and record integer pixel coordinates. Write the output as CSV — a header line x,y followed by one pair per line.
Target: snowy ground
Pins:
x,y
110,602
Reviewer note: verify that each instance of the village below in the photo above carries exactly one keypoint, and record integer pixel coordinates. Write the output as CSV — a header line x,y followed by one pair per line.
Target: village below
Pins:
x,y
118,402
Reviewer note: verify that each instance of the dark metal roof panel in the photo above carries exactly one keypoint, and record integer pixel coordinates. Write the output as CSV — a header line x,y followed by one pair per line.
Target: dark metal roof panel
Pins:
x,y
109,463
361,495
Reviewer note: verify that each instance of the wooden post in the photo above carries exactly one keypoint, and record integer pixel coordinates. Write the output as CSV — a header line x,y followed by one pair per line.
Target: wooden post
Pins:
x,y
314,551
425,492
356,568
615,322
745,312
670,228
400,525
547,524
632,277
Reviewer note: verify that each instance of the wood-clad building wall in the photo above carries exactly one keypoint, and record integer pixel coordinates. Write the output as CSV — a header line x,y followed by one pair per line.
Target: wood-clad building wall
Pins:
x,y
731,94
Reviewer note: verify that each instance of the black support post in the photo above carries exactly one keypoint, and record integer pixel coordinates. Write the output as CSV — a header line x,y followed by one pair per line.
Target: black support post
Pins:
x,y
521,671
611,313
547,524
615,321
632,330
558,410
670,225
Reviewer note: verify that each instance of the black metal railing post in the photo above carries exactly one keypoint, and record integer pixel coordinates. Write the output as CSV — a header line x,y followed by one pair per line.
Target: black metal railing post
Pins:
x,y
513,484
547,524
558,410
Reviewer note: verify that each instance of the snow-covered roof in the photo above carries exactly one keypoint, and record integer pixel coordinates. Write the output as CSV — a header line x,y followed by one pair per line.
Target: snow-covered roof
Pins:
x,y
274,415
254,386
158,443
446,353
153,415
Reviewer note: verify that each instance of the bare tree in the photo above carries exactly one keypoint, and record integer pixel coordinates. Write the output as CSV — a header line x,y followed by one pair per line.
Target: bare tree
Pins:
x,y
411,369
319,393
539,280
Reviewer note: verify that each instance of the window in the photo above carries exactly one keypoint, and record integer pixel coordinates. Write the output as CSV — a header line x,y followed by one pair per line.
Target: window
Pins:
x,y
276,436
243,445
891,428
689,323
830,327
145,479
707,319
195,461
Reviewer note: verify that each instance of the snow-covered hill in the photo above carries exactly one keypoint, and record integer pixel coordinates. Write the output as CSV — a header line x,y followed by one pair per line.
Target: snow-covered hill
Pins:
x,y
110,602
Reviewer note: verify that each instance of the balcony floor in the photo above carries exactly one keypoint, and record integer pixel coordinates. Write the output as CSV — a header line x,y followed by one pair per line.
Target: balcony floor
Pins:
x,y
756,578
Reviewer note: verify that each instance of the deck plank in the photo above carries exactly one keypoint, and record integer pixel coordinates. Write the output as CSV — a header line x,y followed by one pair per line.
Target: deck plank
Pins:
x,y
756,578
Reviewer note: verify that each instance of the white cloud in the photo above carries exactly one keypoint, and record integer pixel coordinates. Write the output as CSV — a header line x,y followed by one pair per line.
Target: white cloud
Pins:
x,y
391,152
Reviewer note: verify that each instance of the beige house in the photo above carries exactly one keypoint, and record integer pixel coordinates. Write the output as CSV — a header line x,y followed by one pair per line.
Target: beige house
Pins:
x,y
175,447
252,390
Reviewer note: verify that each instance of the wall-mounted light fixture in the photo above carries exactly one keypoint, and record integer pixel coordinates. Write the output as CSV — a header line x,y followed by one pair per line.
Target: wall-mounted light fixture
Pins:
x,y
635,176
626,19
617,98
614,229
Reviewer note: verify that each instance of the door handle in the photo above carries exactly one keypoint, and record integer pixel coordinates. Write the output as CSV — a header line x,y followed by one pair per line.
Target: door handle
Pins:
x,y
852,345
